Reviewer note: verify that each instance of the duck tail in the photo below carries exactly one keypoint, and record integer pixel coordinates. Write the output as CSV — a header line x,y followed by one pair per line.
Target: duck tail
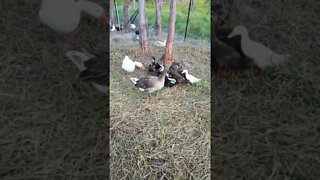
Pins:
x,y
78,58
280,58
134,80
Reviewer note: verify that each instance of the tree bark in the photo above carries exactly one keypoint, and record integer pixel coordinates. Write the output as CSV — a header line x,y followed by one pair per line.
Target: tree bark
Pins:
x,y
143,29
111,8
126,15
158,17
171,28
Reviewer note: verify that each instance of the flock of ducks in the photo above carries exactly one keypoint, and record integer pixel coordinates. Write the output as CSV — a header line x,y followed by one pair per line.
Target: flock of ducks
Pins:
x,y
160,76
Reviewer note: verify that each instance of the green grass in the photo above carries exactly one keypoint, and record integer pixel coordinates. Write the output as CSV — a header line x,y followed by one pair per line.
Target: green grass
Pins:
x,y
199,20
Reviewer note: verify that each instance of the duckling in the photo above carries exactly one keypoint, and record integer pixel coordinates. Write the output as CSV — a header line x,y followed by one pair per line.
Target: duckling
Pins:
x,y
69,12
159,43
262,55
94,69
128,65
151,84
190,77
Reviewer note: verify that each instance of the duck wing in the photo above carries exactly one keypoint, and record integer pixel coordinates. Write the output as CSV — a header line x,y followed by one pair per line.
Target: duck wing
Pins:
x,y
96,71
146,82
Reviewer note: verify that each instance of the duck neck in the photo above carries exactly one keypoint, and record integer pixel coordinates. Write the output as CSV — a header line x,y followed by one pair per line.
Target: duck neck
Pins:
x,y
245,37
89,7
164,72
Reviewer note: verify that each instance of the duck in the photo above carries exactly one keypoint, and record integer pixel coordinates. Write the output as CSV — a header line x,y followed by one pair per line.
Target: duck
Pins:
x,y
190,77
262,55
150,84
226,56
112,28
132,26
128,65
93,68
119,27
63,16
176,74
159,43
155,67
137,34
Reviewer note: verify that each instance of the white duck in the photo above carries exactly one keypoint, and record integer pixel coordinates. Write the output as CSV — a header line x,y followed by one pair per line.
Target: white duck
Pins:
x,y
159,43
190,77
129,65
63,16
132,26
262,55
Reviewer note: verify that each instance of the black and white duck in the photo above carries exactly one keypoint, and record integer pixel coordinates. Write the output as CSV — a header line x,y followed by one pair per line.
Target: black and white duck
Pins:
x,y
155,69
93,67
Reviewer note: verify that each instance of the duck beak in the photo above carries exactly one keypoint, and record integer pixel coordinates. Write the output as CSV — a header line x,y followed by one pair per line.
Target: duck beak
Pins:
x,y
103,17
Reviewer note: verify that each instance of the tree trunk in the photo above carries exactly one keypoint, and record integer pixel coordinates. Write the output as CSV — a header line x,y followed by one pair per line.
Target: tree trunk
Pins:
x,y
143,28
111,8
171,28
158,17
126,15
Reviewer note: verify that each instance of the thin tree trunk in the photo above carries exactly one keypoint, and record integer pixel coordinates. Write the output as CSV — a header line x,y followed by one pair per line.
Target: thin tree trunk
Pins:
x,y
143,28
111,8
126,15
158,17
171,28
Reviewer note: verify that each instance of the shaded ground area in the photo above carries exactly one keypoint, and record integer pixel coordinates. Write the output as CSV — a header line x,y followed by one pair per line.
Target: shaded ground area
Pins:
x,y
168,135
52,125
266,125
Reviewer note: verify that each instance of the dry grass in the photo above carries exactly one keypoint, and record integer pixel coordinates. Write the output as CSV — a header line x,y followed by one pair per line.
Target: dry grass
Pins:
x,y
266,126
167,136
52,125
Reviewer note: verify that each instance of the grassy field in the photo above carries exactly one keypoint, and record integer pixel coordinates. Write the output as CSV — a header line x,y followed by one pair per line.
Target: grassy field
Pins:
x,y
52,125
266,125
168,135
199,22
